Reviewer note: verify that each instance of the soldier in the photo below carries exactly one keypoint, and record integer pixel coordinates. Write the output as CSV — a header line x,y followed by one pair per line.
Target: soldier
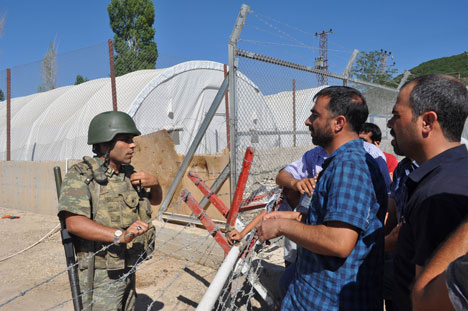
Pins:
x,y
104,202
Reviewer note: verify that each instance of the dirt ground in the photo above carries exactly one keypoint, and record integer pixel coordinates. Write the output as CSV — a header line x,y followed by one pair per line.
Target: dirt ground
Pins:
x,y
176,278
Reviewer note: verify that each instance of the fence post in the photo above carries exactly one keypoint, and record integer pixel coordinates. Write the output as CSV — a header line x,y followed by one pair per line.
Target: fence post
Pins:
x,y
349,66
294,110
193,147
232,90
112,75
8,116
406,74
226,109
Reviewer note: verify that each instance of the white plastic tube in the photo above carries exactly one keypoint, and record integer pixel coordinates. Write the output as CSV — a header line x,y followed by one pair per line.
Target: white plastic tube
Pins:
x,y
216,286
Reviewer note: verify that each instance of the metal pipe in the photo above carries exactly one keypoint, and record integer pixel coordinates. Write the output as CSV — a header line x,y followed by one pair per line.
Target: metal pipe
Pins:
x,y
232,48
216,185
406,74
208,193
226,113
287,64
349,66
244,175
193,147
209,225
216,286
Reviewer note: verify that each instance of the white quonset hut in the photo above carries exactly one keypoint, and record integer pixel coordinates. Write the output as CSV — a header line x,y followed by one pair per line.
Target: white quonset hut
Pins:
x,y
53,125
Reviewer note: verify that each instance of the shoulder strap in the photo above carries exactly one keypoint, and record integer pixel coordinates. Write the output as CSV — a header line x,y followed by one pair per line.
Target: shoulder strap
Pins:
x,y
94,187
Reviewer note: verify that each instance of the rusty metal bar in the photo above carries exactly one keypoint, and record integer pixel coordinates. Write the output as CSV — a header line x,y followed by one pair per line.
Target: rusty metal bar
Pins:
x,y
208,193
8,116
205,219
231,220
112,75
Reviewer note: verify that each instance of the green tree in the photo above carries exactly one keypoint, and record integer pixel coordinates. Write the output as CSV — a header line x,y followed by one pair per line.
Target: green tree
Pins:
x,y
2,96
373,67
80,79
132,23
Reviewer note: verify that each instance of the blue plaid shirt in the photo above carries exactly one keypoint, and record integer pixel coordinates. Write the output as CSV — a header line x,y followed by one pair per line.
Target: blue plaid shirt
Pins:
x,y
352,190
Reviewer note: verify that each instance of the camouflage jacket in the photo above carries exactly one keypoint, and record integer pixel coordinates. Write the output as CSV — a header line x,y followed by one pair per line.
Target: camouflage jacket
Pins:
x,y
114,203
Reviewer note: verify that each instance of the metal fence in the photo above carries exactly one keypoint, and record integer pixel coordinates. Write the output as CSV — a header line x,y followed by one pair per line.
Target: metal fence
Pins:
x,y
50,96
272,120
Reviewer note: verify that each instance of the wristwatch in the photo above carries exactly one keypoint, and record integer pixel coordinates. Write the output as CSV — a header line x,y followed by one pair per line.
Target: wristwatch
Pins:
x,y
117,235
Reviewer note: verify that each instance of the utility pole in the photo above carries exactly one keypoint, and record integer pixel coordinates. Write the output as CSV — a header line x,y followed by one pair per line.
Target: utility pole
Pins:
x,y
321,62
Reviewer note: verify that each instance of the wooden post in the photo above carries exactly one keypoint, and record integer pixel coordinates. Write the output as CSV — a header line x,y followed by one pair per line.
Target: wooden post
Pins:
x,y
294,109
226,109
112,75
8,116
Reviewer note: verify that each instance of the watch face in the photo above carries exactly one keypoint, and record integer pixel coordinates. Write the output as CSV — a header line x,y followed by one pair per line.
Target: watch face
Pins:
x,y
118,233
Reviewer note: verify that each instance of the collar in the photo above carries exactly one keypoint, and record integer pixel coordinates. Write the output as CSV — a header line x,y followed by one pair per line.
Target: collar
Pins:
x,y
448,155
351,145
109,171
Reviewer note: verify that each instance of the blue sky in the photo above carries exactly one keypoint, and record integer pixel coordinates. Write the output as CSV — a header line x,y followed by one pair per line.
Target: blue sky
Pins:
x,y
414,31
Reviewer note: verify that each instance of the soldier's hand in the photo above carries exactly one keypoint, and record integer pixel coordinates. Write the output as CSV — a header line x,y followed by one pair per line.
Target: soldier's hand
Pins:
x,y
136,229
143,179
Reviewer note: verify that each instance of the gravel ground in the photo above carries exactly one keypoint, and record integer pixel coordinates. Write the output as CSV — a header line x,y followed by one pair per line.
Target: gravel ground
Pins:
x,y
176,278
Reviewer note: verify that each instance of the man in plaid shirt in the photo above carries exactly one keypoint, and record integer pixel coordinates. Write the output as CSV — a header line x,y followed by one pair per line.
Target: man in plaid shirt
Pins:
x,y
340,258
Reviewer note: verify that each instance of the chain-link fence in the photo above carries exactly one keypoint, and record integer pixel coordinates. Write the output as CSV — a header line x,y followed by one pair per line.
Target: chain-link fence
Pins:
x,y
273,119
54,99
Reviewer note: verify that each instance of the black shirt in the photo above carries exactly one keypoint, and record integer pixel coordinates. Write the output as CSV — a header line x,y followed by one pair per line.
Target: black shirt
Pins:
x,y
437,204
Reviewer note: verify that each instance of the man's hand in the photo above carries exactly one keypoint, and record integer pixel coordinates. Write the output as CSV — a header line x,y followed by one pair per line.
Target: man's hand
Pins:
x,y
144,179
269,228
136,229
392,238
283,215
233,236
305,185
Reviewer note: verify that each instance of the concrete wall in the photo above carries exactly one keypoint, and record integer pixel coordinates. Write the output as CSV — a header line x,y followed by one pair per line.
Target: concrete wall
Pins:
x,y
29,185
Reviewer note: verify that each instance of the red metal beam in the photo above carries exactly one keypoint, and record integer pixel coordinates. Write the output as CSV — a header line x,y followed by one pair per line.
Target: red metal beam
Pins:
x,y
231,220
208,193
205,220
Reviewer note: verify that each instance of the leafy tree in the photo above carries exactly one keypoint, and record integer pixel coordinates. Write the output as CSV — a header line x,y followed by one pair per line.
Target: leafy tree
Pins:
x,y
80,79
456,66
371,67
2,96
132,23
49,69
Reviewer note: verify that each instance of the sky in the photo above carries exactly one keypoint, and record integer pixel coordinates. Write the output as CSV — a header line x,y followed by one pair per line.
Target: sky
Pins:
x,y
414,31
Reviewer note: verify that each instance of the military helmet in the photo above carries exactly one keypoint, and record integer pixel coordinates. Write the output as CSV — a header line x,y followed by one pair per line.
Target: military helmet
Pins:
x,y
106,125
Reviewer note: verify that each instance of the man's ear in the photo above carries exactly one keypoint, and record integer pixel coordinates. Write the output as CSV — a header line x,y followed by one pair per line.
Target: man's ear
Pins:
x,y
429,119
339,124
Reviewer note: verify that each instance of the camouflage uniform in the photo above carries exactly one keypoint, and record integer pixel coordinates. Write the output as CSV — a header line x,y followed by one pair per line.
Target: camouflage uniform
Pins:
x,y
119,205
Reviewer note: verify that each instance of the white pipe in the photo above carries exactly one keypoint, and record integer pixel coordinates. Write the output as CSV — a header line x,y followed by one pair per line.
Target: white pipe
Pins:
x,y
214,290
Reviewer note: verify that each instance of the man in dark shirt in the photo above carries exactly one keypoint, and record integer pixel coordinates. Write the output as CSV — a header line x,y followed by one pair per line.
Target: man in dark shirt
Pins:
x,y
427,123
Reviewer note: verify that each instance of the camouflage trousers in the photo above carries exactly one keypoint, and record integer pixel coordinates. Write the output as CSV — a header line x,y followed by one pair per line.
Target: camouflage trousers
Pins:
x,y
110,291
